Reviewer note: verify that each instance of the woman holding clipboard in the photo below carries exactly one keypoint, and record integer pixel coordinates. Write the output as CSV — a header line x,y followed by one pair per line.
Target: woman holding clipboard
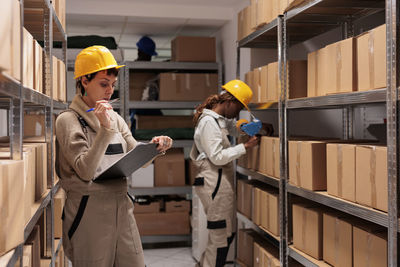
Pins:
x,y
99,228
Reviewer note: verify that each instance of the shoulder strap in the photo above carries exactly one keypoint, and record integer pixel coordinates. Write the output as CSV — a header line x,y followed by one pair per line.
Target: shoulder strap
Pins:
x,y
81,120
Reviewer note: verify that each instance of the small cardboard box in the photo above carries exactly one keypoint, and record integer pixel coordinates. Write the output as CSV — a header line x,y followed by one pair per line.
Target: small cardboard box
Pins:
x,y
143,177
371,59
193,49
244,198
169,170
151,207
177,206
163,223
308,230
342,67
245,246
371,176
256,212
137,84
12,217
369,248
163,122
59,202
187,86
341,170
264,83
337,241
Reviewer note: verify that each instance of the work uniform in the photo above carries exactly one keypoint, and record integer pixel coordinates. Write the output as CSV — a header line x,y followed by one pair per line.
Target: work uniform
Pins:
x,y
213,157
99,228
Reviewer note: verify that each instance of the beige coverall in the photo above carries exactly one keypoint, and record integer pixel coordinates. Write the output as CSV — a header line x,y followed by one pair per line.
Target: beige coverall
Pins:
x,y
214,186
99,229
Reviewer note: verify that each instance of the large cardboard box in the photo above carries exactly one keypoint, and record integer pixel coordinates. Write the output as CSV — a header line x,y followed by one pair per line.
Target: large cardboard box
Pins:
x,y
151,207
177,206
256,208
11,206
308,230
272,157
371,176
169,170
193,49
369,248
337,241
187,86
163,122
34,240
245,246
342,67
244,198
137,84
341,170
317,73
371,59
270,259
307,164
28,65
163,223
143,177
59,202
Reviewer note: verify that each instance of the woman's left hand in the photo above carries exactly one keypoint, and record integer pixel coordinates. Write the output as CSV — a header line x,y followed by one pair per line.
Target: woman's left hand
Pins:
x,y
164,142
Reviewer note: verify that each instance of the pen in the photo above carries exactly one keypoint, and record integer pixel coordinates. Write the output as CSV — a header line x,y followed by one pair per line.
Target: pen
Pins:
x,y
109,102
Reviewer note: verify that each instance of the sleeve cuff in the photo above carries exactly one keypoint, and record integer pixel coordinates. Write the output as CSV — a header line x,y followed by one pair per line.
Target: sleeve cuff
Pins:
x,y
241,149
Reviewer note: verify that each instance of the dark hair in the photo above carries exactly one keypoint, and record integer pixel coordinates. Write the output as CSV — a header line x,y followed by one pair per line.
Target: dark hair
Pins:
x,y
211,102
91,76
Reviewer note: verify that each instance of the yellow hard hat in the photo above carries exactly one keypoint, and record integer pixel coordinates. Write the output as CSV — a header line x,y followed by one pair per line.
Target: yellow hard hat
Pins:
x,y
240,90
93,59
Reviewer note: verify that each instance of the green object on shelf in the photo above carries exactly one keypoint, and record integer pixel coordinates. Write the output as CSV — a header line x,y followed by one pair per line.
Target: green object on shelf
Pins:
x,y
174,133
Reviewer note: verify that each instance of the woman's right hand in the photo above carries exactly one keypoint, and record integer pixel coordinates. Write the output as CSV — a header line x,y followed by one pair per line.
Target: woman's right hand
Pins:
x,y
253,141
100,110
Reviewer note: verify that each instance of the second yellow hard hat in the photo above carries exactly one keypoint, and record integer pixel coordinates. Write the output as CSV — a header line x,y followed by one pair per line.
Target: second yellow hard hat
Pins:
x,y
240,90
93,59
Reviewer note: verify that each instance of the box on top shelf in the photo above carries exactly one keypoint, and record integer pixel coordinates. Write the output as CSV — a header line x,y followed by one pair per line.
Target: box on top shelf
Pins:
x,y
371,176
253,14
187,86
370,247
193,49
162,122
169,170
371,59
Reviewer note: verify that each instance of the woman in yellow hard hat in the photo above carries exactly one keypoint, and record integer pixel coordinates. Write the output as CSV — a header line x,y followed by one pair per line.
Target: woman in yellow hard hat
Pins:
x,y
213,156
99,228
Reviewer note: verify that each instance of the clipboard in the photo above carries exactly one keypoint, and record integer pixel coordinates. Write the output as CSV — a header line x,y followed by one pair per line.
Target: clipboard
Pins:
x,y
130,162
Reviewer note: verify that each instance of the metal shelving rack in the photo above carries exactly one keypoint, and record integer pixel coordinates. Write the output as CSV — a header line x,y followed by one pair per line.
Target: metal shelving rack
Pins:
x,y
43,25
299,25
124,105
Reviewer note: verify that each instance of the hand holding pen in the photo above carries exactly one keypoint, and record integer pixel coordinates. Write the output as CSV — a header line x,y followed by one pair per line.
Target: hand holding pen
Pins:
x,y
100,111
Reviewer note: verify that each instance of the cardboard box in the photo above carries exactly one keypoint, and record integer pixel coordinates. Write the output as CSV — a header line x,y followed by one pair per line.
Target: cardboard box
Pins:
x,y
337,241
163,122
143,177
45,262
264,83
269,259
371,59
59,202
308,230
177,206
273,210
369,248
257,204
187,86
244,198
55,82
253,157
137,84
264,209
273,82
341,170
272,157
12,216
264,15
256,86
245,246
297,79
307,164
27,256
193,49
263,153
317,73
28,59
163,223
257,255
371,176
249,79
6,20
62,92
253,17
35,125
247,19
169,170
38,67
34,241
240,24
150,207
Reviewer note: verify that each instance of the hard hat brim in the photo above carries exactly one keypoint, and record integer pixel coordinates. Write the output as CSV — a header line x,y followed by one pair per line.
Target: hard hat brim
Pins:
x,y
244,104
101,69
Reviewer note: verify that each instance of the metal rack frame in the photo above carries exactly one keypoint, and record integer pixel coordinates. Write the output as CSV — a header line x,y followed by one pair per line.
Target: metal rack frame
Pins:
x,y
301,24
17,98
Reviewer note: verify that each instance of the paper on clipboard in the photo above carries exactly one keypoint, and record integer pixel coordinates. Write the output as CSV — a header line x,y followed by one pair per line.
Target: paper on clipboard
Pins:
x,y
130,162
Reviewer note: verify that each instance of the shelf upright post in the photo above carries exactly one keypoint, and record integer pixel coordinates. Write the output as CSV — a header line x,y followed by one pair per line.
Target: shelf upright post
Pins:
x,y
283,207
392,48
48,83
124,94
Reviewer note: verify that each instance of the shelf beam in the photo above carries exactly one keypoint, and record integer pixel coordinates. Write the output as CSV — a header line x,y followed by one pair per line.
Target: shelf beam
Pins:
x,y
258,176
168,190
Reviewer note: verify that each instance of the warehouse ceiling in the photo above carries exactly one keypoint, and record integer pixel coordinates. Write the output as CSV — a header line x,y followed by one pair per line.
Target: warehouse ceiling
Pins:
x,y
128,20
